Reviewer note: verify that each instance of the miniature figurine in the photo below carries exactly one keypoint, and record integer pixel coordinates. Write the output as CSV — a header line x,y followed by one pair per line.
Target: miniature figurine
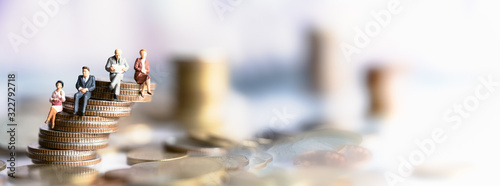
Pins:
x,y
85,84
116,66
58,96
141,76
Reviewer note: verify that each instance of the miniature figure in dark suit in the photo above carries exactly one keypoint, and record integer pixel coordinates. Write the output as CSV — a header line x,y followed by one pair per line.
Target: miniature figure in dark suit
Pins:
x,y
116,66
57,98
85,84
141,76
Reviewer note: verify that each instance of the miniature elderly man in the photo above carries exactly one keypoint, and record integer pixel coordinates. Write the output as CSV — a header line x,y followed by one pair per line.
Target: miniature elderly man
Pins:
x,y
116,66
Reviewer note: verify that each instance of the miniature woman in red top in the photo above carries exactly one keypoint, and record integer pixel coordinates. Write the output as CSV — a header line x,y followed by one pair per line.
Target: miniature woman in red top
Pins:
x,y
141,72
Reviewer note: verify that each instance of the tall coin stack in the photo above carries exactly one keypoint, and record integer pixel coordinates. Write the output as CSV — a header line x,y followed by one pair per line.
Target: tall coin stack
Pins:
x,y
202,85
75,139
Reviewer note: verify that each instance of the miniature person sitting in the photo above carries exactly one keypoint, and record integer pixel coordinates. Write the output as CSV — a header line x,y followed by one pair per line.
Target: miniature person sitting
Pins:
x,y
85,84
57,98
116,66
141,76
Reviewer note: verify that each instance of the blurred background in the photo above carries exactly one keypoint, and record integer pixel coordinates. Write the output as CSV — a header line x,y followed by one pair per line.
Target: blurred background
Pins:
x,y
393,71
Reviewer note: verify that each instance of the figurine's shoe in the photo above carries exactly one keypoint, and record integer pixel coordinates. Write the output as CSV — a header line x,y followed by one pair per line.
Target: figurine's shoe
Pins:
x,y
150,93
142,95
115,96
46,122
74,113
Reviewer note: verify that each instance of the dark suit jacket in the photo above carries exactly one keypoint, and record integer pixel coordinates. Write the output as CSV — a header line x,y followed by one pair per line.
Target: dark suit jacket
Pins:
x,y
90,83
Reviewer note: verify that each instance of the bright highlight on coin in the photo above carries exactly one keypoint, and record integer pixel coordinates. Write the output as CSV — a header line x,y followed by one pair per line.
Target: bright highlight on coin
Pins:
x,y
148,154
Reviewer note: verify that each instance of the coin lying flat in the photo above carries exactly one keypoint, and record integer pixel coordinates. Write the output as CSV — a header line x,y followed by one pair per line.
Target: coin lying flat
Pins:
x,y
72,140
189,145
320,158
44,129
53,175
71,163
122,91
232,161
355,155
86,124
43,157
100,102
67,115
334,140
100,108
99,113
190,170
130,98
35,148
72,146
3,165
86,130
149,154
128,85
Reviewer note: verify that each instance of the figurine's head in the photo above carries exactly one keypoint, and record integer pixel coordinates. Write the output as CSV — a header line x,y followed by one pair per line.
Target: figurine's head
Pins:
x,y
59,84
85,71
143,53
118,54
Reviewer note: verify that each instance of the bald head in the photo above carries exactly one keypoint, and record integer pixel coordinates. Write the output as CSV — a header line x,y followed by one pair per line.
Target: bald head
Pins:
x,y
118,54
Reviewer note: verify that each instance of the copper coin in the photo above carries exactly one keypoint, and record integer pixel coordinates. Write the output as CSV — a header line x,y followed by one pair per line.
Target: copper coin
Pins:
x,y
320,158
35,148
72,146
110,96
67,115
71,163
128,85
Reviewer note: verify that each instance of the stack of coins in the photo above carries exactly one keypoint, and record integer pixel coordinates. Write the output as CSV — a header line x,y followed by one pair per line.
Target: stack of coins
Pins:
x,y
75,139
202,85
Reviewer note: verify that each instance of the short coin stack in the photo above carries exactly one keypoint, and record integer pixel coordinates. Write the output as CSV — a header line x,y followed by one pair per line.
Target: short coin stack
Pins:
x,y
75,139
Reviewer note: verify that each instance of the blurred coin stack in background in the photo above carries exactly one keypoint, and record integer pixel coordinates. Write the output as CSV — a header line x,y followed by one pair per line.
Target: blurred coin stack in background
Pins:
x,y
75,139
202,85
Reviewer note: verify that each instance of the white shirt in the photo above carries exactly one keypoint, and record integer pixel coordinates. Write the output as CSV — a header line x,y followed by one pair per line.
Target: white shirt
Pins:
x,y
86,79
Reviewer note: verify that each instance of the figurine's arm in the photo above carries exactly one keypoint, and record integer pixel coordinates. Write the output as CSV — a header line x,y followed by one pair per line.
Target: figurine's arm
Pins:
x,y
108,64
126,65
63,95
92,84
147,66
136,65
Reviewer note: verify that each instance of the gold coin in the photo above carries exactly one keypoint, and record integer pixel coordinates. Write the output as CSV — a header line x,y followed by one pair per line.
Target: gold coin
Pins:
x,y
190,170
2,165
148,154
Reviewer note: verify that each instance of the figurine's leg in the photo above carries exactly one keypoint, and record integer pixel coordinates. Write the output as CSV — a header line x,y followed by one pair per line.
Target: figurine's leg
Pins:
x,y
118,79
77,97
86,97
148,83
48,116
53,116
112,79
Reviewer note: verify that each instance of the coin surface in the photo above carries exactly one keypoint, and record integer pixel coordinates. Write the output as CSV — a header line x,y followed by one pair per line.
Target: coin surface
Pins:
x,y
232,161
355,155
44,129
100,102
35,148
190,145
320,158
72,146
86,130
86,124
72,140
190,170
99,113
131,98
128,85
53,175
3,165
100,108
148,154
122,91
66,115
71,163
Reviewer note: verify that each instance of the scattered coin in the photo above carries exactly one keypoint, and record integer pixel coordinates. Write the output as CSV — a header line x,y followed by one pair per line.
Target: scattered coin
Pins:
x,y
320,158
148,154
192,146
232,161
3,165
